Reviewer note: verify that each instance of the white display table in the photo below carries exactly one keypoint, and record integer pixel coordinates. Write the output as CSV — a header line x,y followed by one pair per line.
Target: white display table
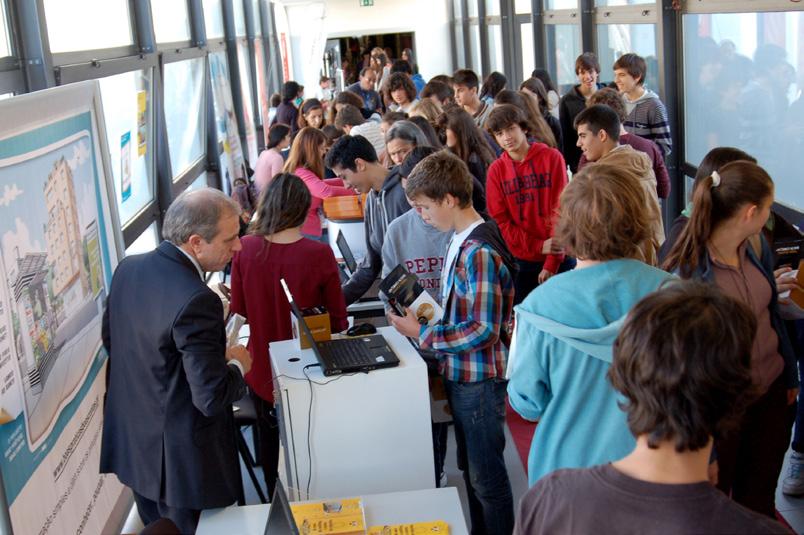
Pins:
x,y
381,509
369,433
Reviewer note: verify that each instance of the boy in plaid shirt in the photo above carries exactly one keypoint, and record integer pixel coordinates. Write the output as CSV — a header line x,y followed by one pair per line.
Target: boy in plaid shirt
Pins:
x,y
471,339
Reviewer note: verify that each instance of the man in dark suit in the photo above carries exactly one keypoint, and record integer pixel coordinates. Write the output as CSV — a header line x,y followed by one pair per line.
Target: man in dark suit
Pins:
x,y
168,430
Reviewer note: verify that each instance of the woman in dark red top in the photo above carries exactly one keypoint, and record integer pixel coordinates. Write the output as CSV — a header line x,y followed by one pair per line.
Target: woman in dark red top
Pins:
x,y
275,249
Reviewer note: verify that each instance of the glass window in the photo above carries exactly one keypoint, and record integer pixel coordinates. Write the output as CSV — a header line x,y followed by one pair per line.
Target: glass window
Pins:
x,y
614,40
492,7
231,158
459,46
456,9
239,18
73,25
562,4
5,35
563,46
246,92
213,19
171,21
522,6
474,47
262,82
128,111
255,8
526,41
145,242
623,2
495,48
472,8
743,88
200,182
184,112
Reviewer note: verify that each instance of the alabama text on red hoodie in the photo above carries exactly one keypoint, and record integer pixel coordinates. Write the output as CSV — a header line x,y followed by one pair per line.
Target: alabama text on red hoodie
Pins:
x,y
522,197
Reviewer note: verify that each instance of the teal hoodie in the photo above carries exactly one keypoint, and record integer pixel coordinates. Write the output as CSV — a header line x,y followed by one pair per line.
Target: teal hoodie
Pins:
x,y
559,359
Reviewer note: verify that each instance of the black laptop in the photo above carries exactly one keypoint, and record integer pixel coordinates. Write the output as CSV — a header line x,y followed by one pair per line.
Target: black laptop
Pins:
x,y
346,253
346,355
280,517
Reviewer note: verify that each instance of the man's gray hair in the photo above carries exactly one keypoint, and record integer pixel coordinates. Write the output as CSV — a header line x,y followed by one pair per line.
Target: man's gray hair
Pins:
x,y
197,212
407,131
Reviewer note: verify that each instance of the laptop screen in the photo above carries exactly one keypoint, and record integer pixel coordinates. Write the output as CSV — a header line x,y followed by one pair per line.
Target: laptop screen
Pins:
x,y
300,317
280,517
346,252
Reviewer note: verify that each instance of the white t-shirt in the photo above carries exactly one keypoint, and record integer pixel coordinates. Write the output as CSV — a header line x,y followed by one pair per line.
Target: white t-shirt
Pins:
x,y
452,256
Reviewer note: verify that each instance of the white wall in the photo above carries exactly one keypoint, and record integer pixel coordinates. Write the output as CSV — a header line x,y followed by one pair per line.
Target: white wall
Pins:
x,y
344,18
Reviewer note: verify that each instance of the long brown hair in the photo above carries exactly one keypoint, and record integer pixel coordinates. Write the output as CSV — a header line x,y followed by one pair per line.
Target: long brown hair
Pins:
x,y
469,137
528,104
741,182
306,152
283,204
306,107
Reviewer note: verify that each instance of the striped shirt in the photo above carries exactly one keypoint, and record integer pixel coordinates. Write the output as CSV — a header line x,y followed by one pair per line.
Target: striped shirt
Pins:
x,y
478,308
647,117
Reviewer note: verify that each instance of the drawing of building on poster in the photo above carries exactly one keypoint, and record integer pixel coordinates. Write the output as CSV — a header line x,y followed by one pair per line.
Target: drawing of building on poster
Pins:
x,y
51,263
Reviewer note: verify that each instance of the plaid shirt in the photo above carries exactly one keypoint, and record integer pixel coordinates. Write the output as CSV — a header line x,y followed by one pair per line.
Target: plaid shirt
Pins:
x,y
478,307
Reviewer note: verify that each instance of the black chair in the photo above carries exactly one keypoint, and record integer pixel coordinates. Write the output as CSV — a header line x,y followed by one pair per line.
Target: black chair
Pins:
x,y
246,415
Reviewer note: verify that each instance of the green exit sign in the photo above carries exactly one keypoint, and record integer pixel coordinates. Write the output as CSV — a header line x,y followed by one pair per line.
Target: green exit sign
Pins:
x,y
366,3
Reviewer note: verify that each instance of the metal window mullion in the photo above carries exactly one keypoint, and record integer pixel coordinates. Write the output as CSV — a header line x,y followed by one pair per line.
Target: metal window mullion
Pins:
x,y
234,67
142,25
67,74
512,49
198,29
587,16
482,25
672,80
164,172
251,36
467,42
34,53
537,25
453,50
188,176
138,224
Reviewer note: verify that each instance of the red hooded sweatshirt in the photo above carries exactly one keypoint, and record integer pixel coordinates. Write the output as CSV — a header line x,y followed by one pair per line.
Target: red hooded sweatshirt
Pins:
x,y
522,197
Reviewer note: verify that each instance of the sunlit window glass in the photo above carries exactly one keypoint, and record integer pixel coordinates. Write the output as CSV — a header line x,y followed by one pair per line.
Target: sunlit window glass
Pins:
x,y
563,46
622,2
614,40
459,46
743,88
5,35
255,8
171,20
495,48
522,6
184,112
474,47
528,59
74,25
248,109
492,7
145,242
231,155
562,4
128,111
239,18
213,19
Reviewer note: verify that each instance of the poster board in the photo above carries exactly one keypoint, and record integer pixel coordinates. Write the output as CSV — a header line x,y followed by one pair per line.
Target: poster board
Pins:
x,y
59,244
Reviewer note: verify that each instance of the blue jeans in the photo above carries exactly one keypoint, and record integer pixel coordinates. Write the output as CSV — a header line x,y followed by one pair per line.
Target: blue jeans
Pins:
x,y
478,410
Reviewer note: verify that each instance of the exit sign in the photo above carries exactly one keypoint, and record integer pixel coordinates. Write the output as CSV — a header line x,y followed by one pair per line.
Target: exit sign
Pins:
x,y
366,3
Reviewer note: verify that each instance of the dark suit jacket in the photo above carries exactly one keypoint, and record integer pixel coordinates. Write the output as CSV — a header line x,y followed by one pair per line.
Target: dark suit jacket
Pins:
x,y
168,430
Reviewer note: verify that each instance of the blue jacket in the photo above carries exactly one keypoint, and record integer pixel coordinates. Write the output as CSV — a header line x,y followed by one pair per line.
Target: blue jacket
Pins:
x,y
765,265
559,358
419,83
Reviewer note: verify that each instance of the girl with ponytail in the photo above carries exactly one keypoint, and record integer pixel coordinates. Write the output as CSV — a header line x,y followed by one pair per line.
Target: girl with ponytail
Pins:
x,y
722,244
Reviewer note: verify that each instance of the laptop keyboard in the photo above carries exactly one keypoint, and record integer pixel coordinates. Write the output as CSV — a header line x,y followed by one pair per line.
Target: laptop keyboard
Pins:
x,y
353,353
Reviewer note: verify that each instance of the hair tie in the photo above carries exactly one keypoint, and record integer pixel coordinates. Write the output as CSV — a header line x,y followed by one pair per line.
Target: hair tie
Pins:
x,y
715,179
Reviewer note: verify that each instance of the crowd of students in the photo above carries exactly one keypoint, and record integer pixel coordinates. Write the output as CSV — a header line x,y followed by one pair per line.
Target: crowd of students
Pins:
x,y
657,368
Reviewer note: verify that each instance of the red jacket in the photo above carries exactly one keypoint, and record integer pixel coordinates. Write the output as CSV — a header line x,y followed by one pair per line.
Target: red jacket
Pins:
x,y
522,197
